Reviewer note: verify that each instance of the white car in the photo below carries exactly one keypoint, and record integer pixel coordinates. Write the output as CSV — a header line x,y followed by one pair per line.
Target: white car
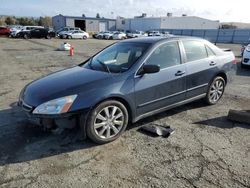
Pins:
x,y
76,34
101,34
109,35
119,36
246,57
154,33
64,30
137,34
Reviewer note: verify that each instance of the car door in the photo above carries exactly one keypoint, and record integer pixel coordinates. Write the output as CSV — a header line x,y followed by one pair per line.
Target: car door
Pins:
x,y
80,34
35,33
201,67
165,88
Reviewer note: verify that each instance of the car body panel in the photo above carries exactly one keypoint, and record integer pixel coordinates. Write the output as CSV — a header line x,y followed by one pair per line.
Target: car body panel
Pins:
x,y
143,95
4,31
154,91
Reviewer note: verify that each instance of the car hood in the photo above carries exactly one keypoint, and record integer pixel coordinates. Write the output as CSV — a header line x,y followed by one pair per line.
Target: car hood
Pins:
x,y
63,83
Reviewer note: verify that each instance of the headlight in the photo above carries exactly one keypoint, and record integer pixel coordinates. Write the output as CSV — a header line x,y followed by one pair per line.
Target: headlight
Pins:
x,y
56,106
248,48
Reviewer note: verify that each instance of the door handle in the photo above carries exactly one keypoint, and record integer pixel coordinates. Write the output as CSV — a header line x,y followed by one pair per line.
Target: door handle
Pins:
x,y
179,73
212,63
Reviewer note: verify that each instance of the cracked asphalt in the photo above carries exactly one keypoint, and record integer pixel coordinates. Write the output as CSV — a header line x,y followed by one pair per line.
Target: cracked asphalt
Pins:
x,y
206,150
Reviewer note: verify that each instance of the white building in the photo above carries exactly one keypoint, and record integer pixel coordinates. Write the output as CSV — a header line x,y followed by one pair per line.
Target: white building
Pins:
x,y
88,24
156,23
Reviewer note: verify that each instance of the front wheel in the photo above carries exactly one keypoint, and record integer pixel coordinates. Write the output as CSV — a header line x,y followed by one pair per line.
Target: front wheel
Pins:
x,y
69,37
215,90
84,37
48,37
107,121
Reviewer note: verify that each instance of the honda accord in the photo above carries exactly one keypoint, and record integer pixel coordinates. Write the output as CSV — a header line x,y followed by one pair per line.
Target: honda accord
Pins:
x,y
128,81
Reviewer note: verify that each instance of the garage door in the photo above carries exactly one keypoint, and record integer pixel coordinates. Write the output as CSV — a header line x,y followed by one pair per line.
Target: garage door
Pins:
x,y
102,26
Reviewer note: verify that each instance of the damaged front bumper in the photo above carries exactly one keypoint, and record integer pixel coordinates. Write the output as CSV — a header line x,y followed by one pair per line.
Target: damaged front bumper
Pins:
x,y
52,121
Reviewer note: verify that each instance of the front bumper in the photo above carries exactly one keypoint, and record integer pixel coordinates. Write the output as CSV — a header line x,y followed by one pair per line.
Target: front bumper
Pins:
x,y
65,120
246,61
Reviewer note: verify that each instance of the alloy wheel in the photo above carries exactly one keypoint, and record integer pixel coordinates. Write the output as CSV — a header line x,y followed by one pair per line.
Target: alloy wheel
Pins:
x,y
216,90
108,122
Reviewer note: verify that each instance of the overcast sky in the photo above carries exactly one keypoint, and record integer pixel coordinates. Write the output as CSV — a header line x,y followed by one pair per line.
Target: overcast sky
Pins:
x,y
223,10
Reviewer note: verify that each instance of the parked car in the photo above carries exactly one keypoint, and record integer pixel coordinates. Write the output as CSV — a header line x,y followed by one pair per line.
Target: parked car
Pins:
x,y
4,31
101,34
119,35
246,57
154,33
41,33
166,34
109,35
24,32
136,34
76,34
65,30
128,81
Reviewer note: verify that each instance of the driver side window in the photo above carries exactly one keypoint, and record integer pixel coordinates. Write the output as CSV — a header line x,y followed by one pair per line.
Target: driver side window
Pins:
x,y
166,55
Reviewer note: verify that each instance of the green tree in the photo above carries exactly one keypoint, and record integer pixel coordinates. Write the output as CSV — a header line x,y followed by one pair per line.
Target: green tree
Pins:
x,y
45,21
9,21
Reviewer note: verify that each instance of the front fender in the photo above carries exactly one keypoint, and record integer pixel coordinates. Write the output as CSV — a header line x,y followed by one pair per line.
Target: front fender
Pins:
x,y
123,90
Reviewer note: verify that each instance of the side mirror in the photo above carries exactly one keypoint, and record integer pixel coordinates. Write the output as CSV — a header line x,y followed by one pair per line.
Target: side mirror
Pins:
x,y
149,69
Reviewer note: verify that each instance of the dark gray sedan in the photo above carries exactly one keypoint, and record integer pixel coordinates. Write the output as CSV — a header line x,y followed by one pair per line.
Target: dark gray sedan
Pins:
x,y
128,81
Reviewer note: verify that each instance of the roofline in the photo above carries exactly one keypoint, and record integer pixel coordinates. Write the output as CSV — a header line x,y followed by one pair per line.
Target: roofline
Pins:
x,y
173,17
83,18
160,39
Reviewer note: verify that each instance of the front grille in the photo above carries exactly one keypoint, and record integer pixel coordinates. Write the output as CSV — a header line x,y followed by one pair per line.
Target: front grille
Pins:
x,y
246,60
25,106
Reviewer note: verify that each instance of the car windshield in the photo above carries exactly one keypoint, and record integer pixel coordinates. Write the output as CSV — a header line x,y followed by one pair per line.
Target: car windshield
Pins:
x,y
118,57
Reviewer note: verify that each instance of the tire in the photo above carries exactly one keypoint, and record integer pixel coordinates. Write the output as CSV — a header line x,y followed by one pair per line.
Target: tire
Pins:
x,y
69,37
84,37
25,36
215,90
99,37
242,65
107,121
110,38
48,37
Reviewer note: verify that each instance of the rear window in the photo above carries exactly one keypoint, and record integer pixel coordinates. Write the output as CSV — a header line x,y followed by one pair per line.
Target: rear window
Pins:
x,y
195,50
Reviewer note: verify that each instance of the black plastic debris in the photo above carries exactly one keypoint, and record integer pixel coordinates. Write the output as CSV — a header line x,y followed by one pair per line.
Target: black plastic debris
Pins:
x,y
155,130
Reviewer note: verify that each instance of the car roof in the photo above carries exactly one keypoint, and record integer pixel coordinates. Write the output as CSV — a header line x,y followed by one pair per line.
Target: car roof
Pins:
x,y
156,39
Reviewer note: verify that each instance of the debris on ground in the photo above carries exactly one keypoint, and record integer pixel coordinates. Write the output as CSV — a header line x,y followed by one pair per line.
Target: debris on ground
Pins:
x,y
156,130
242,116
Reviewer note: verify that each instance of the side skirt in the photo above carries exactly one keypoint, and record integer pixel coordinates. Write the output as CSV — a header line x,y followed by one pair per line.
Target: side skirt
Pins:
x,y
169,107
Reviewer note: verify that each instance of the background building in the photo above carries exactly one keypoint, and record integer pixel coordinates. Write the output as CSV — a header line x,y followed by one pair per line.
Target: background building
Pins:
x,y
157,23
85,23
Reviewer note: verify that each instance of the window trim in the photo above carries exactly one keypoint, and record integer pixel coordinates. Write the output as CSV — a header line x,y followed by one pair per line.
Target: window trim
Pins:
x,y
136,75
208,48
185,54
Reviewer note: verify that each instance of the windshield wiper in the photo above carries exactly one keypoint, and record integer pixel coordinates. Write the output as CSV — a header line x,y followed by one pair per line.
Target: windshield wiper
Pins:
x,y
104,65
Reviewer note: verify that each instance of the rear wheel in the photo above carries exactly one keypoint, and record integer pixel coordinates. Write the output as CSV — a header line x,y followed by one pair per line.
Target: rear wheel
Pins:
x,y
69,37
25,36
84,37
107,121
215,90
